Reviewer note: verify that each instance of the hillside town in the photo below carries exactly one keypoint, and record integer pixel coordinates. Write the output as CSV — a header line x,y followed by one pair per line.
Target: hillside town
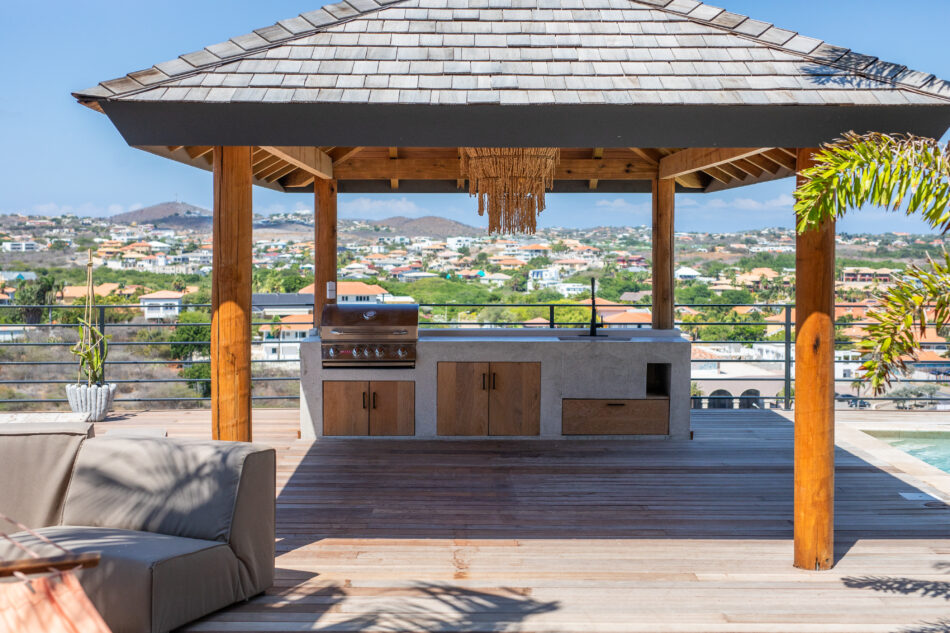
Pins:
x,y
731,287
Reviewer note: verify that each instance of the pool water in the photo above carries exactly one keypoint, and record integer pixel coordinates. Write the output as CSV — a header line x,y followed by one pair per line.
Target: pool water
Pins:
x,y
933,448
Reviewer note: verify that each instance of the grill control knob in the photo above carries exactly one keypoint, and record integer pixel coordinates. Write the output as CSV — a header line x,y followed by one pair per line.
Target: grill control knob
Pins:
x,y
359,351
379,352
331,352
402,352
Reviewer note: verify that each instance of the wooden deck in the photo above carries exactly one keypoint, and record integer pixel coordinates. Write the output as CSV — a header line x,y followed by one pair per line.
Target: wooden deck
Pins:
x,y
586,536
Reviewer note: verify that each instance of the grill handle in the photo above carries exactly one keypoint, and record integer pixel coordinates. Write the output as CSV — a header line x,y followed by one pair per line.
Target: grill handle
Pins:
x,y
393,333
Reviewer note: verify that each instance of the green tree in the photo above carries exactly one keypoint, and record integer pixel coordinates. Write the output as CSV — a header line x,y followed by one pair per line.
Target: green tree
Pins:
x,y
200,375
894,172
191,335
42,291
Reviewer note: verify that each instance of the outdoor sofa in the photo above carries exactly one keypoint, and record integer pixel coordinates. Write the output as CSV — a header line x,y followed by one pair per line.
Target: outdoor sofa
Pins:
x,y
184,527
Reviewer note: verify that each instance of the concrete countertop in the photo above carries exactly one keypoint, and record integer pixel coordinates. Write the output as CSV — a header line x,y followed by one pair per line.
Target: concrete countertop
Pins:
x,y
540,335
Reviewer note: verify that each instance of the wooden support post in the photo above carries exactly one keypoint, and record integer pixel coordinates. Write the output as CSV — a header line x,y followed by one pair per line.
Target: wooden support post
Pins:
x,y
663,195
814,392
324,244
231,295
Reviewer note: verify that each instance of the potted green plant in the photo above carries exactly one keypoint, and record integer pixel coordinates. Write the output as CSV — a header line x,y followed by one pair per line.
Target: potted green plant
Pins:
x,y
92,396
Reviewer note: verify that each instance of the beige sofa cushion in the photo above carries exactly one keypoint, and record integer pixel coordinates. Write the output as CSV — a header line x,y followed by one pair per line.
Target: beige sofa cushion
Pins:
x,y
176,487
35,463
146,583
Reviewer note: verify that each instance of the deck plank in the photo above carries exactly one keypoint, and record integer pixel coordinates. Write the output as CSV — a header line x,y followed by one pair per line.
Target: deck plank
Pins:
x,y
592,536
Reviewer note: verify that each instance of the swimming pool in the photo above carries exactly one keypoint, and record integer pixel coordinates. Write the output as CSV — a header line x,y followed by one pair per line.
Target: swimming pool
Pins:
x,y
929,446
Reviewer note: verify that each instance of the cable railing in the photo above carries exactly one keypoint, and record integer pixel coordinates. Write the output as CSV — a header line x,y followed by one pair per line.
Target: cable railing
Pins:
x,y
150,365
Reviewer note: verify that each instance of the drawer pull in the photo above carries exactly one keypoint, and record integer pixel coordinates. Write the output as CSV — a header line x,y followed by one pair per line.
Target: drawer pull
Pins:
x,y
616,404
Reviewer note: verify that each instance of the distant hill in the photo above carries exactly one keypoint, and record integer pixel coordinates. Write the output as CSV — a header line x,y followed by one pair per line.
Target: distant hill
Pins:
x,y
430,226
167,214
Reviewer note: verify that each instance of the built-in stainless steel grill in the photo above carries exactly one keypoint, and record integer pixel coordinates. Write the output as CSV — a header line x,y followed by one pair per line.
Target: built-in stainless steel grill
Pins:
x,y
354,335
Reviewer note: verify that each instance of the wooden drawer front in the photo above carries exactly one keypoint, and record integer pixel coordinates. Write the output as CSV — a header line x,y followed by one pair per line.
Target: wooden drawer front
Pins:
x,y
650,416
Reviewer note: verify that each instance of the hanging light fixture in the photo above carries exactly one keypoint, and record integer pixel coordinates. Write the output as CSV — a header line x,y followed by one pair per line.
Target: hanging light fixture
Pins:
x,y
510,184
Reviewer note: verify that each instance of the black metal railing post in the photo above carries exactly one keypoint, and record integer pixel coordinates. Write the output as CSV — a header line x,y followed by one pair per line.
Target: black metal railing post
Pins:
x,y
788,357
551,316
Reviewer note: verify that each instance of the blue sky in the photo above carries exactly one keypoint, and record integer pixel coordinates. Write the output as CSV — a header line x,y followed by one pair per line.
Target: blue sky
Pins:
x,y
60,156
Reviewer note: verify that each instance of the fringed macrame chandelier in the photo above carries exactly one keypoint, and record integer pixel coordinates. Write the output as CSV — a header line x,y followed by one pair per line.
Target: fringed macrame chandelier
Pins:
x,y
510,184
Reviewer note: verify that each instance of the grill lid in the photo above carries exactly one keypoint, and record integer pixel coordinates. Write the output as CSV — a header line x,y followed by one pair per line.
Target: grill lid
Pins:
x,y
353,318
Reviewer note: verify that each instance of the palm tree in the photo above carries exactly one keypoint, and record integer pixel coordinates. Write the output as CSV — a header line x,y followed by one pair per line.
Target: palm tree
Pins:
x,y
894,172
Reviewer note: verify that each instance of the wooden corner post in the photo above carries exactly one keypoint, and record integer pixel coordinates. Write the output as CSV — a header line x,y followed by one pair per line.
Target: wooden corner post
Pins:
x,y
664,190
324,245
231,295
814,392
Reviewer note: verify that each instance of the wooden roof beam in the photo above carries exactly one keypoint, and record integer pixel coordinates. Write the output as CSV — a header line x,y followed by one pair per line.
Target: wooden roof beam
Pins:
x,y
297,179
696,159
280,173
760,161
394,155
309,159
198,151
654,156
597,154
717,174
340,154
780,157
450,169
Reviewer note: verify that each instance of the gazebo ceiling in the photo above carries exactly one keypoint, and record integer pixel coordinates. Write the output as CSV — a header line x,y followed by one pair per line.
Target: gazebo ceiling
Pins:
x,y
389,90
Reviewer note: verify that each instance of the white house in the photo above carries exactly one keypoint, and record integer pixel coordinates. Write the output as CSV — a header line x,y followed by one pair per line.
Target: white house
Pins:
x,y
685,272
164,304
354,292
543,278
28,246
282,341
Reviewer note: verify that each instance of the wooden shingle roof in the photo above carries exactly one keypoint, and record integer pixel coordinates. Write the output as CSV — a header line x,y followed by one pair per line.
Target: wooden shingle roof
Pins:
x,y
525,52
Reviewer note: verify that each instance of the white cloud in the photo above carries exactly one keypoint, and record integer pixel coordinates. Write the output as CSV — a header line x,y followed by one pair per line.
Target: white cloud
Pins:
x,y
621,204
380,208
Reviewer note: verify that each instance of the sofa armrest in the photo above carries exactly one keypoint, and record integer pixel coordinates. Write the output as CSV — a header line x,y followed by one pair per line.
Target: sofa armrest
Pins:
x,y
253,524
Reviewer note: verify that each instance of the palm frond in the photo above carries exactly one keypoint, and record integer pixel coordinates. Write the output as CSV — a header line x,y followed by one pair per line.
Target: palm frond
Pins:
x,y
890,171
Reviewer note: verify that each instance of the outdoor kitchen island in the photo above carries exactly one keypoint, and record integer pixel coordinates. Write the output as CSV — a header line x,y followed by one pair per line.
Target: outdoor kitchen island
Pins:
x,y
546,383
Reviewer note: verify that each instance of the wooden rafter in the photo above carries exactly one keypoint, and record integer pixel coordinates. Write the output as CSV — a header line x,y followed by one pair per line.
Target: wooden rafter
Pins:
x,y
297,179
280,173
265,166
781,158
732,170
654,156
762,162
748,167
309,159
272,167
700,158
393,155
717,174
198,151
340,154
596,154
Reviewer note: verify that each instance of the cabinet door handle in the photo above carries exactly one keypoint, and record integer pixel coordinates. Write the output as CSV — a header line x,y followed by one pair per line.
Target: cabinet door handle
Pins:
x,y
484,382
364,399
494,380
374,399
616,404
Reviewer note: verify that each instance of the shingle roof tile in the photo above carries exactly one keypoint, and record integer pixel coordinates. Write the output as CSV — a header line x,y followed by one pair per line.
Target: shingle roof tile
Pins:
x,y
526,51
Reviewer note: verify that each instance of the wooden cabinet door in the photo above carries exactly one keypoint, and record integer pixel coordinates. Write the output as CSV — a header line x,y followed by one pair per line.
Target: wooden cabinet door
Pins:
x,y
392,407
462,399
515,402
345,407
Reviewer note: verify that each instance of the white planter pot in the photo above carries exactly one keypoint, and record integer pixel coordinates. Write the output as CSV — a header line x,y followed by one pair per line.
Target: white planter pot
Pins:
x,y
96,400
